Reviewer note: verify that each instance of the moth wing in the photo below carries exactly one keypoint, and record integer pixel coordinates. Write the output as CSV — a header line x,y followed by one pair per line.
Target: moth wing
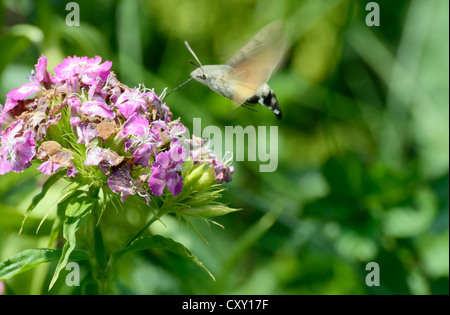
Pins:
x,y
265,40
244,82
254,63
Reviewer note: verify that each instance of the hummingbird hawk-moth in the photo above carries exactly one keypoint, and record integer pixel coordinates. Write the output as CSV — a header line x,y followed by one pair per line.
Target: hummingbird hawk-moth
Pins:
x,y
243,78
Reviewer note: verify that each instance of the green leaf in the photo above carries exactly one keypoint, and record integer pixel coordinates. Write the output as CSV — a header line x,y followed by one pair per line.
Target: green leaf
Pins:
x,y
16,46
77,213
32,33
36,199
12,220
61,214
129,47
30,258
158,241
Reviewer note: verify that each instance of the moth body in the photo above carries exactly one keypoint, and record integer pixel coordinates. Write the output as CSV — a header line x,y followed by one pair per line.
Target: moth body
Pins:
x,y
215,77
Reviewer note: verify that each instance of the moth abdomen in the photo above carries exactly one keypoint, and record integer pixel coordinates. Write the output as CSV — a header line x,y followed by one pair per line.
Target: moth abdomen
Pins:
x,y
266,97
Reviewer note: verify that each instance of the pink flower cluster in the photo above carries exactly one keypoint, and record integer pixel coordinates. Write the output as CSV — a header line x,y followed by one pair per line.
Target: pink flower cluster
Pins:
x,y
82,117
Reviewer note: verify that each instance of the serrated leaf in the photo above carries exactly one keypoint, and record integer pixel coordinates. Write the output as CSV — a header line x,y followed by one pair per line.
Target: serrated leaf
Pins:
x,y
77,213
30,258
158,241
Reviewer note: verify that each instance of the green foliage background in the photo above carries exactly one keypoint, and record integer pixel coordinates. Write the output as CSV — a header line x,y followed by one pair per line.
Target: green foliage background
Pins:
x,y
363,171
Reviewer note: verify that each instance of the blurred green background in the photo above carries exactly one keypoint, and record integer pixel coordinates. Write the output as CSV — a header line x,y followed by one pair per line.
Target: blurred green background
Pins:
x,y
363,150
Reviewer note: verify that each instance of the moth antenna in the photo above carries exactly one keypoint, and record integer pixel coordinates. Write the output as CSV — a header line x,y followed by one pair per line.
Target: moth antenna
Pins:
x,y
194,64
193,54
165,96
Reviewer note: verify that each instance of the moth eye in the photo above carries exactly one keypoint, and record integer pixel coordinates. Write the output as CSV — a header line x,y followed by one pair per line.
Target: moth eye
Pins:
x,y
203,76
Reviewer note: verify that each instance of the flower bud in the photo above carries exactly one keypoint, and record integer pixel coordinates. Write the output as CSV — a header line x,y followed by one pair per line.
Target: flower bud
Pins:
x,y
210,210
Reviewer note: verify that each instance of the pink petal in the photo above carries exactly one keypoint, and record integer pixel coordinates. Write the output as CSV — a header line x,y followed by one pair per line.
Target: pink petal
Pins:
x,y
24,91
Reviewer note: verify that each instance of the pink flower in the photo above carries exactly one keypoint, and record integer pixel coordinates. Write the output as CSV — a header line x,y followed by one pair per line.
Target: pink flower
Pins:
x,y
40,79
121,181
132,101
143,142
23,91
42,76
87,70
96,89
17,148
166,169
55,157
168,132
74,105
222,172
103,158
5,114
86,131
137,125
49,168
97,107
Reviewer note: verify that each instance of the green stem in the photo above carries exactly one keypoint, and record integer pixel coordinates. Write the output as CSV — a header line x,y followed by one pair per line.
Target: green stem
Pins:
x,y
147,225
99,261
99,248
